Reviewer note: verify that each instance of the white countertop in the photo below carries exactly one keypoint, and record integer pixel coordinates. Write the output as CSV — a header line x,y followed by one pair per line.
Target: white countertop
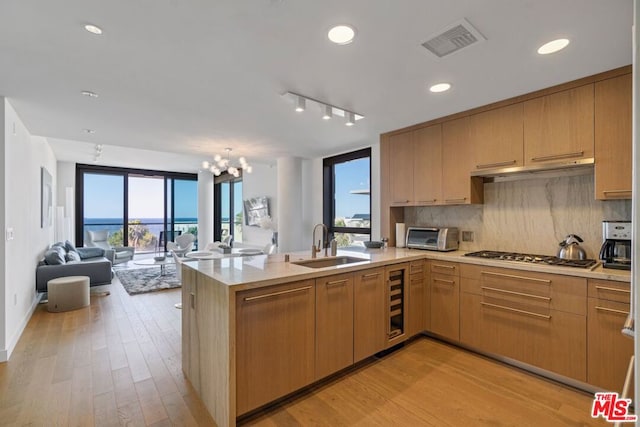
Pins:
x,y
248,272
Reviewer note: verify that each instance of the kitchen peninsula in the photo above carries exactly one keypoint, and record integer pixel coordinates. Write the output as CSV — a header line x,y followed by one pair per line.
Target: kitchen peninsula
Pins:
x,y
258,328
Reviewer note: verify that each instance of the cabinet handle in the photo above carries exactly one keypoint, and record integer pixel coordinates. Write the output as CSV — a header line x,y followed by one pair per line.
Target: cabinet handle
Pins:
x,y
611,310
515,310
401,201
427,201
516,293
463,199
557,156
451,267
606,288
192,300
495,165
448,282
512,276
274,294
337,282
616,191
370,276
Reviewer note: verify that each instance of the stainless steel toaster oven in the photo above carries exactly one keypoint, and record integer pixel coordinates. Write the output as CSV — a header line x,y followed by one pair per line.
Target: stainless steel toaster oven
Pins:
x,y
433,238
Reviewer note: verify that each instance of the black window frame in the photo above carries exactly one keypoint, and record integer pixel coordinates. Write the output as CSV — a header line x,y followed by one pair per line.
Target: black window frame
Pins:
x,y
217,204
329,190
81,169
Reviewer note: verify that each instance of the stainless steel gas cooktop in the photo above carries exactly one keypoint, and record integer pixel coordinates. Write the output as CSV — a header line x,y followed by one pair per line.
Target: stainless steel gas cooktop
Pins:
x,y
536,259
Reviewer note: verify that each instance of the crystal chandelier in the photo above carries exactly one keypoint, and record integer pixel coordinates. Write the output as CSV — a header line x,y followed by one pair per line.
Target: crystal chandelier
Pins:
x,y
221,164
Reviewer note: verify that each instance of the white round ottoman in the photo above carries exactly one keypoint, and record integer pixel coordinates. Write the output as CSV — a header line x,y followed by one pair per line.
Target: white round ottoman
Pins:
x,y
68,293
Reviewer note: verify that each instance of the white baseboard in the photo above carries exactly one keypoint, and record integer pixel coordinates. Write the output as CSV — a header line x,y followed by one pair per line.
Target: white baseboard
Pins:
x,y
5,354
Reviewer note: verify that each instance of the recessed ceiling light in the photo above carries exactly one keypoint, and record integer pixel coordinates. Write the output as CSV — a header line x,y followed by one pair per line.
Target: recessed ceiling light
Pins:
x,y
88,131
341,34
89,94
93,29
553,46
440,87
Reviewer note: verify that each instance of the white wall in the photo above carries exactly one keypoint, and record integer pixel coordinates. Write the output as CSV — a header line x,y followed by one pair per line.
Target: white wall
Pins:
x,y
24,156
263,181
205,209
290,206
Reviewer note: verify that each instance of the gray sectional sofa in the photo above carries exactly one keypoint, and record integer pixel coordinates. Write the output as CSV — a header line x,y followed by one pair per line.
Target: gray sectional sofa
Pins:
x,y
63,259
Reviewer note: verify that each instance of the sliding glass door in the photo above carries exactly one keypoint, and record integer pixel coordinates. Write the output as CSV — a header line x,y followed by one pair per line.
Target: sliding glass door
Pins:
x,y
155,206
103,205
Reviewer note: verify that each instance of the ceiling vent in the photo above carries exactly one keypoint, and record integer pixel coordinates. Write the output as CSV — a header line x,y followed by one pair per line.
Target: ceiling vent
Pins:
x,y
453,38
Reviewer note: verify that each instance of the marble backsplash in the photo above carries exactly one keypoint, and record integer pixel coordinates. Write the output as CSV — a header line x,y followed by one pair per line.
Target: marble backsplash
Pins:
x,y
531,215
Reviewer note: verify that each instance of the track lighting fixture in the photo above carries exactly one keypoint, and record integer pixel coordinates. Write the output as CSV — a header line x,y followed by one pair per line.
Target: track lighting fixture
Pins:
x,y
327,110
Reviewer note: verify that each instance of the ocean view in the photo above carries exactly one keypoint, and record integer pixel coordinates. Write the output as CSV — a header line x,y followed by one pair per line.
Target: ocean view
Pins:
x,y
155,225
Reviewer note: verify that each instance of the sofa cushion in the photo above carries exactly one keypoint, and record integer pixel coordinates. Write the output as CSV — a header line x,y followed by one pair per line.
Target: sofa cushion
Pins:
x,y
72,256
70,247
90,252
55,256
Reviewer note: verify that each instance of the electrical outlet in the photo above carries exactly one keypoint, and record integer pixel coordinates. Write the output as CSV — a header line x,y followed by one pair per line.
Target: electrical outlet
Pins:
x,y
467,236
9,233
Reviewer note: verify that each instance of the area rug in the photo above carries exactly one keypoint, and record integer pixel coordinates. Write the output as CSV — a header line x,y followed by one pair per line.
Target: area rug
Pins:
x,y
142,280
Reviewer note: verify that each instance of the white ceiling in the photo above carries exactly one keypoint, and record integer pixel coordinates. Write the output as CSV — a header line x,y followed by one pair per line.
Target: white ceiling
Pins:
x,y
195,76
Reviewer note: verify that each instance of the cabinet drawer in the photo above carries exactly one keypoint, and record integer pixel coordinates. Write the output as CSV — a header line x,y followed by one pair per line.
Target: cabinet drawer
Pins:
x,y
556,342
609,290
416,267
526,290
445,267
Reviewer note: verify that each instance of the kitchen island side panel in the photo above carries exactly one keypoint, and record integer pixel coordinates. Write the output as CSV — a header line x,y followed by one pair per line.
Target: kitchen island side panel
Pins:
x,y
215,332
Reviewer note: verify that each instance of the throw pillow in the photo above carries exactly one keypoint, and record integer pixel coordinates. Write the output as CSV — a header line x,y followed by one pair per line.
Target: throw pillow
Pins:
x,y
55,256
72,256
90,252
70,247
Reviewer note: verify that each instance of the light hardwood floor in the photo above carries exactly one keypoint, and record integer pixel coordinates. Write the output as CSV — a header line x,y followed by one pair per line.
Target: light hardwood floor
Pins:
x,y
117,362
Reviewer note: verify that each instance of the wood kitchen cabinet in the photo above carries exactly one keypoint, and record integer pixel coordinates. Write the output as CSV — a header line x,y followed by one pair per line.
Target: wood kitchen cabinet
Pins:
x,y
613,148
535,318
444,284
559,126
334,324
497,137
401,169
418,297
608,351
275,342
415,163
369,330
427,165
458,160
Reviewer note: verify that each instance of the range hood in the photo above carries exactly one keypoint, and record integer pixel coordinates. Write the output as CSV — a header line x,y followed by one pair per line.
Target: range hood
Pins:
x,y
564,168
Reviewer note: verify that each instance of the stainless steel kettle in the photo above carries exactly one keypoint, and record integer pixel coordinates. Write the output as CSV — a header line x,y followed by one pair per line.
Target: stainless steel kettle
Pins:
x,y
570,248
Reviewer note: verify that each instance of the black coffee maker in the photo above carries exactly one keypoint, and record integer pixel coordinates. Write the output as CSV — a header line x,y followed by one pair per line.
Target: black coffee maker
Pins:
x,y
616,249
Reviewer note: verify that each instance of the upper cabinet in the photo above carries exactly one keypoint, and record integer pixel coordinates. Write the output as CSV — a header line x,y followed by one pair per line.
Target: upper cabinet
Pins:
x,y
613,138
458,160
415,163
401,169
559,127
497,137
427,165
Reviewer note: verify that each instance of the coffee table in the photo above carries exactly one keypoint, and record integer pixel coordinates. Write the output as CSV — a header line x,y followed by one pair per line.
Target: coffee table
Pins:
x,y
152,262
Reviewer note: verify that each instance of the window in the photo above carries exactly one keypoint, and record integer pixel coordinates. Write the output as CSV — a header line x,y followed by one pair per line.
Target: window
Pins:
x,y
347,197
227,196
148,204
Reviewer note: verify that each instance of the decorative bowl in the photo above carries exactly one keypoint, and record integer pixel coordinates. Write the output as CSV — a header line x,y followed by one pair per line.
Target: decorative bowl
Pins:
x,y
373,244
159,258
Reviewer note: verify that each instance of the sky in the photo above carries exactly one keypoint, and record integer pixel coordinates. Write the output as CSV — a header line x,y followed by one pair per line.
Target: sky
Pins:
x,y
353,175
103,194
103,197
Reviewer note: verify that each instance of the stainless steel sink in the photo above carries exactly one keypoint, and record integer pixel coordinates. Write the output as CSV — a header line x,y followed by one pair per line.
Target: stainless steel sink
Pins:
x,y
329,262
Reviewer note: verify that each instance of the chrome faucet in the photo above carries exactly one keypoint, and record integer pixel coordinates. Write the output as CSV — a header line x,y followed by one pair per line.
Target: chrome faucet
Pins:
x,y
325,237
